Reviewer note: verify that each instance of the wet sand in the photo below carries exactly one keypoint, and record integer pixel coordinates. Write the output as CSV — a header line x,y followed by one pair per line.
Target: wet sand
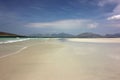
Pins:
x,y
55,60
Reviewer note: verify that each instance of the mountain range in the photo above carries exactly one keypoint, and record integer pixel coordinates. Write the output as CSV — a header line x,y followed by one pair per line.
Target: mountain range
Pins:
x,y
63,35
82,35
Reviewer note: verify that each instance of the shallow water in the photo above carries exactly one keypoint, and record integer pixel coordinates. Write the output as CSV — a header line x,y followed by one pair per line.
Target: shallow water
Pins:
x,y
12,45
12,40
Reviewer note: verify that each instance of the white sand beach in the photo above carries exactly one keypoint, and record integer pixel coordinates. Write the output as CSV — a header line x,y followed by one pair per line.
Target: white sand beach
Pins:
x,y
96,40
56,60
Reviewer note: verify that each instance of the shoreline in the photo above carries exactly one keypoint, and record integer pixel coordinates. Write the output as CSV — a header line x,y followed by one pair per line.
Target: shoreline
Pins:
x,y
14,40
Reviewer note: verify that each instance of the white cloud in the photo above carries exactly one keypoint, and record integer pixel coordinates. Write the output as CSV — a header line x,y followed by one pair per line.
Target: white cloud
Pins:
x,y
65,24
102,3
117,9
115,17
93,25
113,24
115,14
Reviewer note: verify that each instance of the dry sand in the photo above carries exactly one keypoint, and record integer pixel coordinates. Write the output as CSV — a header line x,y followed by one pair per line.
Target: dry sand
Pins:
x,y
54,60
96,40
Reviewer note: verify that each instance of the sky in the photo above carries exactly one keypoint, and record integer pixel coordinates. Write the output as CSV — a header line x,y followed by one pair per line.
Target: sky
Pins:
x,y
57,16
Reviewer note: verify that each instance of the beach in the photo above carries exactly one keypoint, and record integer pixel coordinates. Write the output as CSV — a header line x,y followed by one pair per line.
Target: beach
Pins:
x,y
96,40
56,59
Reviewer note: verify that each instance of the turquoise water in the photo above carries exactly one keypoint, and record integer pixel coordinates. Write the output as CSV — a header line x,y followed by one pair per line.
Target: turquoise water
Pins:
x,y
7,39
12,45
11,40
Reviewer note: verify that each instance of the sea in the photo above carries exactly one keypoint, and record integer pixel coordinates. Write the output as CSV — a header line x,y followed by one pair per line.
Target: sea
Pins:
x,y
12,45
12,40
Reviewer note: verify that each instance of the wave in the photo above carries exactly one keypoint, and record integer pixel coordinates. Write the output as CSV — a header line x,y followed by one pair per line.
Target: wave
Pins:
x,y
12,41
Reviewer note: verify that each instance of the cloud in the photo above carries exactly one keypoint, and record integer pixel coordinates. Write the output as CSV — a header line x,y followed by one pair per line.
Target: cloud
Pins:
x,y
115,14
116,10
115,17
65,24
113,25
93,25
102,3
117,25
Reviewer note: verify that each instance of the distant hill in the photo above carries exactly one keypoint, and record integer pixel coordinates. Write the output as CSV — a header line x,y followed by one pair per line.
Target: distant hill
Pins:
x,y
116,35
82,35
89,35
62,35
59,35
5,34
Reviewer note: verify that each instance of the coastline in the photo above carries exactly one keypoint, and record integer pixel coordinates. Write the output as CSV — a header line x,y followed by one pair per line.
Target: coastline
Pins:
x,y
12,46
14,40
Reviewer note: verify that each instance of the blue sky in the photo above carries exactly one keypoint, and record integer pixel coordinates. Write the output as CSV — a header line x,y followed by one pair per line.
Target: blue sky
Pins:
x,y
56,16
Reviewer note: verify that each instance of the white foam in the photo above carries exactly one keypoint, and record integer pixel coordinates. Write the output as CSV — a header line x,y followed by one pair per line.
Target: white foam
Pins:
x,y
12,41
